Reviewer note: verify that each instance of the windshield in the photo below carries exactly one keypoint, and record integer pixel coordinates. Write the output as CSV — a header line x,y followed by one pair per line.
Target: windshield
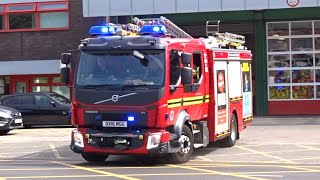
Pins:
x,y
127,67
60,99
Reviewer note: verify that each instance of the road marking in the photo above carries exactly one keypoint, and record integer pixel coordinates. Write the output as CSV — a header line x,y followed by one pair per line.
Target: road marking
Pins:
x,y
274,172
215,172
55,152
265,175
1,178
267,155
47,177
240,154
204,158
96,171
300,168
308,147
300,159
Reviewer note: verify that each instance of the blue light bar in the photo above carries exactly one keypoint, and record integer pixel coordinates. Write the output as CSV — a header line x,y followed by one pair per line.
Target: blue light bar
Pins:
x,y
153,29
130,118
102,30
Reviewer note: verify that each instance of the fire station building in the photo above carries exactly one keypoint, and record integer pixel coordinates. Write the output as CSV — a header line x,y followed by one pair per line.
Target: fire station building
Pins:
x,y
284,36
33,34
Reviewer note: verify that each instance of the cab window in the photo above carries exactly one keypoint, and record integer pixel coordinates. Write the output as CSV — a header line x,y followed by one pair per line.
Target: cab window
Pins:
x,y
175,68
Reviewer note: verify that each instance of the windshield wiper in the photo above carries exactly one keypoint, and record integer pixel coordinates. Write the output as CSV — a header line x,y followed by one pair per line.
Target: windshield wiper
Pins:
x,y
100,86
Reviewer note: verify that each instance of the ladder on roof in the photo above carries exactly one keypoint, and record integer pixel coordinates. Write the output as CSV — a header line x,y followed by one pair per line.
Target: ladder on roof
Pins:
x,y
171,27
223,39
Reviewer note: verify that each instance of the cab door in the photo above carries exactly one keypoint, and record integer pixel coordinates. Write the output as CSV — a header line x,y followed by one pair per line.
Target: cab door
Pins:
x,y
221,96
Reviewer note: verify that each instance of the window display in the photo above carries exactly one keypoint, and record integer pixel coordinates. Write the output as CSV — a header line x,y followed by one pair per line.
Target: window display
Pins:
x,y
293,60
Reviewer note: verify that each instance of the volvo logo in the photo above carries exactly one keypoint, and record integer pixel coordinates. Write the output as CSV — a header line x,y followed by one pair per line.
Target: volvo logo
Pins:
x,y
115,98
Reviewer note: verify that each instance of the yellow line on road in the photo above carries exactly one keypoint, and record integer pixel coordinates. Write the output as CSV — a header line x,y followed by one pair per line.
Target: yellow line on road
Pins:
x,y
308,147
215,172
238,154
55,152
204,158
307,158
47,177
267,155
274,172
96,171
300,168
1,178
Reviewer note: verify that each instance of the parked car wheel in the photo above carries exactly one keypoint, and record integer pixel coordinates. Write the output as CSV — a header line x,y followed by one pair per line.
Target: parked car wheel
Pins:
x,y
4,132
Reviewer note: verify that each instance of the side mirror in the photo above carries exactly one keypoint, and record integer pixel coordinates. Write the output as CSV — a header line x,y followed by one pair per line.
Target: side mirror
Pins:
x,y
53,104
65,58
186,58
65,75
186,75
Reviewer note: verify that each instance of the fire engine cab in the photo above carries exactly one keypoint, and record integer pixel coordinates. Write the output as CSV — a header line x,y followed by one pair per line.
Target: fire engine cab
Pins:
x,y
150,88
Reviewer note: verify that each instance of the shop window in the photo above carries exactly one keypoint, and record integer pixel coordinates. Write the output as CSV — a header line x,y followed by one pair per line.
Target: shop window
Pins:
x,y
316,27
34,16
40,88
278,45
301,28
56,80
278,29
21,21
279,92
301,44
2,86
40,80
294,60
54,20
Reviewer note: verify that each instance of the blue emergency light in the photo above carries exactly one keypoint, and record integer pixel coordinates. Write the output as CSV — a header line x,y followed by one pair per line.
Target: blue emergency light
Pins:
x,y
102,30
153,29
131,118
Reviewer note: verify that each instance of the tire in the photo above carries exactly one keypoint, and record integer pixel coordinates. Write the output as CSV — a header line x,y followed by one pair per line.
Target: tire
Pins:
x,y
27,126
94,158
186,147
232,138
4,132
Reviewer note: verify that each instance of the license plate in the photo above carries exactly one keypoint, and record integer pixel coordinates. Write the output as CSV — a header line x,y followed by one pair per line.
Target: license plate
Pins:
x,y
114,123
18,121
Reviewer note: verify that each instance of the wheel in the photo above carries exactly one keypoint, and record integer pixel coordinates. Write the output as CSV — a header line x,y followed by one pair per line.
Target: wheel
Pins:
x,y
91,157
27,126
232,138
4,132
186,150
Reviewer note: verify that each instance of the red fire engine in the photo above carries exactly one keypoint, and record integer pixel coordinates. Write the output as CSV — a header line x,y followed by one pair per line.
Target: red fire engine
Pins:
x,y
150,88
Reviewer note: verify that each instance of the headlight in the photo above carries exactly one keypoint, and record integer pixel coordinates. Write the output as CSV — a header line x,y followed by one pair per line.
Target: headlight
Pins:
x,y
5,115
153,140
78,138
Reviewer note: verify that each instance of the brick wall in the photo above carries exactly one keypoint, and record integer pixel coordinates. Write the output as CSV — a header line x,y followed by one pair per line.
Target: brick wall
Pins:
x,y
47,44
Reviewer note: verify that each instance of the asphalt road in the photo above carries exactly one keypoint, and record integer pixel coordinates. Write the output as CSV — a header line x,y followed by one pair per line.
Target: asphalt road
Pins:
x,y
271,148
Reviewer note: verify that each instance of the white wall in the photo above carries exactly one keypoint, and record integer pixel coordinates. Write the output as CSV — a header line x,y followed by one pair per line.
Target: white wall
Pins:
x,y
29,67
92,8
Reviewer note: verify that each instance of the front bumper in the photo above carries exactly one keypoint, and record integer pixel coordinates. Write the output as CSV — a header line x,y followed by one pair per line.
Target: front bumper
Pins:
x,y
11,123
123,143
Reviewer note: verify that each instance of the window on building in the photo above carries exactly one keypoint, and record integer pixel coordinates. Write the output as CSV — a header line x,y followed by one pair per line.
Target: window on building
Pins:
x,y
34,16
22,21
294,60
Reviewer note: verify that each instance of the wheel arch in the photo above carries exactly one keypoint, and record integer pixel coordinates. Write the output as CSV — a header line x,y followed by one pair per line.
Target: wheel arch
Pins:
x,y
183,119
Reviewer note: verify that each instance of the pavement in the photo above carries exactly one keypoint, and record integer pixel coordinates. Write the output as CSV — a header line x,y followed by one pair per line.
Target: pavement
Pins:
x,y
272,148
